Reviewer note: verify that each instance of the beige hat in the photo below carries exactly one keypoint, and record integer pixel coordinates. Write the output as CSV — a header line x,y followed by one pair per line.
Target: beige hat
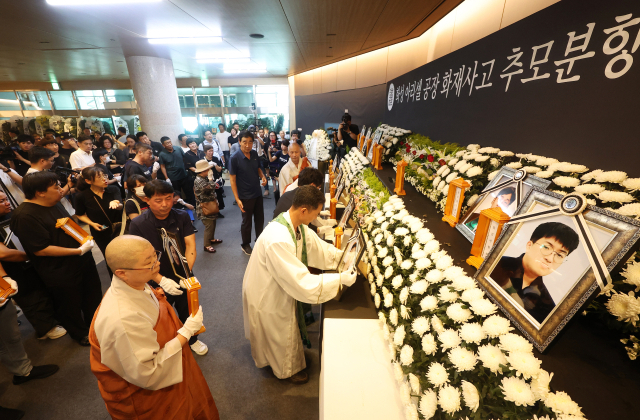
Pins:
x,y
202,165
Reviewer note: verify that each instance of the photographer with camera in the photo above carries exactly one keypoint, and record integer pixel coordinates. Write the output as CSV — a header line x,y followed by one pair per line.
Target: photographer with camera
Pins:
x,y
20,161
347,132
41,159
67,270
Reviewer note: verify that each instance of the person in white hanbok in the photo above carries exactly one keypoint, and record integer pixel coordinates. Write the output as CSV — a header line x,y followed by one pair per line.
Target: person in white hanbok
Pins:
x,y
277,280
291,169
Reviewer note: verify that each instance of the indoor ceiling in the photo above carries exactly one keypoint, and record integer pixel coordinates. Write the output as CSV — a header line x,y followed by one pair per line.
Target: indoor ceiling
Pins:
x,y
41,42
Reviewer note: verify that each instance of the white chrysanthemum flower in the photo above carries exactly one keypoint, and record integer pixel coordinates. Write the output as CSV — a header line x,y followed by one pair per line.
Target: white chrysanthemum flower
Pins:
x,y
377,214
616,177
388,272
434,276
525,364
444,262
566,181
631,184
407,241
615,196
489,150
387,260
449,339
453,272
464,168
406,264
459,165
560,403
531,169
437,374
625,307
384,226
517,391
491,357
388,300
414,382
419,287
545,161
472,200
424,235
411,412
390,240
397,281
496,326
436,324
462,359
472,333
401,231
474,171
405,312
445,294
416,225
399,373
589,189
545,174
382,318
492,175
441,170
420,325
540,384
376,300
404,295
441,185
449,399
494,162
406,355
451,177
431,246
429,345
446,171
462,283
429,303
393,317
417,253
472,294
483,307
379,277
591,175
513,342
413,276
385,331
473,147
457,313
514,165
631,274
378,238
630,210
428,404
405,393
505,153
470,395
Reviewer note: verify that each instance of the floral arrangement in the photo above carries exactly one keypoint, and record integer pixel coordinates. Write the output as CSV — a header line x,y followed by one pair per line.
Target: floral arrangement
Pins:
x,y
318,145
454,356
391,138
617,306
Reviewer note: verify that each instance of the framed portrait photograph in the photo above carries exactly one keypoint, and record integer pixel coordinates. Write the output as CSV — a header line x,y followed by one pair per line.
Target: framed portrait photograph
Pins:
x,y
348,211
540,271
504,197
336,163
8,238
353,251
338,178
340,190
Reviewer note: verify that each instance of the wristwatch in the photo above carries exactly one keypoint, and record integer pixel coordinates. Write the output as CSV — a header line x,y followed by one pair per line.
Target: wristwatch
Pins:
x,y
6,170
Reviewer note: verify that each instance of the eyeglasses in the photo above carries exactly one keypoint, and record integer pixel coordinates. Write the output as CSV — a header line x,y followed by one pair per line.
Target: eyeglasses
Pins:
x,y
546,250
157,261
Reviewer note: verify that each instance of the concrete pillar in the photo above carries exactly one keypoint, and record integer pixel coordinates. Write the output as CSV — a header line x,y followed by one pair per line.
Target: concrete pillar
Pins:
x,y
154,87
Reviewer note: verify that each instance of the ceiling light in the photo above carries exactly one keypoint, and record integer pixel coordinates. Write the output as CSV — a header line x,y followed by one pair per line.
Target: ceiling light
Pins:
x,y
55,85
95,2
204,82
189,40
256,36
232,71
224,60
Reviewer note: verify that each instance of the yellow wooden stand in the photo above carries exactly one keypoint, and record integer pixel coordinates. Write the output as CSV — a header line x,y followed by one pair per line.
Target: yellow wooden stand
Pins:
x,y
193,285
457,187
490,226
399,189
332,207
333,191
338,234
378,151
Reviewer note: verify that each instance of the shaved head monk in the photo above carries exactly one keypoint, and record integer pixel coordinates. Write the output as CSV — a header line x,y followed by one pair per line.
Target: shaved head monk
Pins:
x,y
137,343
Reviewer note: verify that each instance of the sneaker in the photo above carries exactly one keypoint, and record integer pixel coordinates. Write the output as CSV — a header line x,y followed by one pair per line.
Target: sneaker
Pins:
x,y
10,414
299,378
246,249
199,348
55,332
37,372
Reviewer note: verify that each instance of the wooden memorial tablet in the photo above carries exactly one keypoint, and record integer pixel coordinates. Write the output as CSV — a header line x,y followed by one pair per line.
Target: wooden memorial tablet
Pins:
x,y
72,229
399,189
5,289
193,285
490,226
457,187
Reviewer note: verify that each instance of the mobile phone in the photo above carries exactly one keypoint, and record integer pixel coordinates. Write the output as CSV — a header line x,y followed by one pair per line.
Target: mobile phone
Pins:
x,y
104,227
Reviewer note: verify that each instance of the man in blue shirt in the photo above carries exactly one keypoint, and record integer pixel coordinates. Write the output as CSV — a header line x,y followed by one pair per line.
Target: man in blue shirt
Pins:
x,y
244,170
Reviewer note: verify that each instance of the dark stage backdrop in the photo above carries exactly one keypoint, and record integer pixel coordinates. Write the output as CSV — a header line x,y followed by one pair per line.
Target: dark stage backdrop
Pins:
x,y
365,105
563,83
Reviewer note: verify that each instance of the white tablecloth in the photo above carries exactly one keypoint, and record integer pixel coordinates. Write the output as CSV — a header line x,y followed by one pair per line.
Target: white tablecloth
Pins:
x,y
357,380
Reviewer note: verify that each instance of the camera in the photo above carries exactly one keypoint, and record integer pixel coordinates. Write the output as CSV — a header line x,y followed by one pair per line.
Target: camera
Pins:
x,y
7,153
63,174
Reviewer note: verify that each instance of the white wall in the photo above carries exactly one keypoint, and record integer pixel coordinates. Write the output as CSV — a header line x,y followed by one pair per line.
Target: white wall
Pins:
x,y
469,22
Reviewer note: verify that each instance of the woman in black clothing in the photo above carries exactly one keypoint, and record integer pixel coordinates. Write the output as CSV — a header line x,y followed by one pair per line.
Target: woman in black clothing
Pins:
x,y
135,205
100,156
130,150
97,207
233,138
191,157
116,157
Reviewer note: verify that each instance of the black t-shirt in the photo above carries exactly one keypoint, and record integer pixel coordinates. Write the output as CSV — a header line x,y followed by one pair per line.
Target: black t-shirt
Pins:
x,y
66,152
134,167
23,273
87,203
35,226
21,167
61,161
130,206
148,226
281,160
233,140
173,163
347,138
190,160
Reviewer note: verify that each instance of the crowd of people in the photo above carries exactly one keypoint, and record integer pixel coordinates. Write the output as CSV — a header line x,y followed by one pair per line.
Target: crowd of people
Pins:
x,y
126,187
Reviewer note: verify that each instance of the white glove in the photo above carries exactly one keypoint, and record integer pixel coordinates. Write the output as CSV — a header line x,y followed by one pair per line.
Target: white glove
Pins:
x,y
192,325
170,286
181,201
13,285
348,278
156,166
329,222
86,247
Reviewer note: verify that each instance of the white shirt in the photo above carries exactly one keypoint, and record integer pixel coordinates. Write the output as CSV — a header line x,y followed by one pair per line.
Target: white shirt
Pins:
x,y
128,344
257,146
275,278
31,170
223,139
288,171
215,145
80,159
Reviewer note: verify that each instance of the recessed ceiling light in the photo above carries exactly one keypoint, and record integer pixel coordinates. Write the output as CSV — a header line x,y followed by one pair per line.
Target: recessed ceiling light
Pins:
x,y
234,71
95,2
55,85
204,82
256,36
224,60
186,40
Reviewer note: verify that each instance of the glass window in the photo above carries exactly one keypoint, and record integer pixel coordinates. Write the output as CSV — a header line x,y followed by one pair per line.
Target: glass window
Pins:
x,y
266,99
120,95
185,97
34,100
90,99
62,99
208,97
237,96
209,123
280,91
8,101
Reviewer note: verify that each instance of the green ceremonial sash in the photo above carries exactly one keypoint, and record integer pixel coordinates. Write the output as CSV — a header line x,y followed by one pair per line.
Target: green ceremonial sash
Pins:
x,y
301,307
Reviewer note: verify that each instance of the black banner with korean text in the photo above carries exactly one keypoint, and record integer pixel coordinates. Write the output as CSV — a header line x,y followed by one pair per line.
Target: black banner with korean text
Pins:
x,y
562,83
